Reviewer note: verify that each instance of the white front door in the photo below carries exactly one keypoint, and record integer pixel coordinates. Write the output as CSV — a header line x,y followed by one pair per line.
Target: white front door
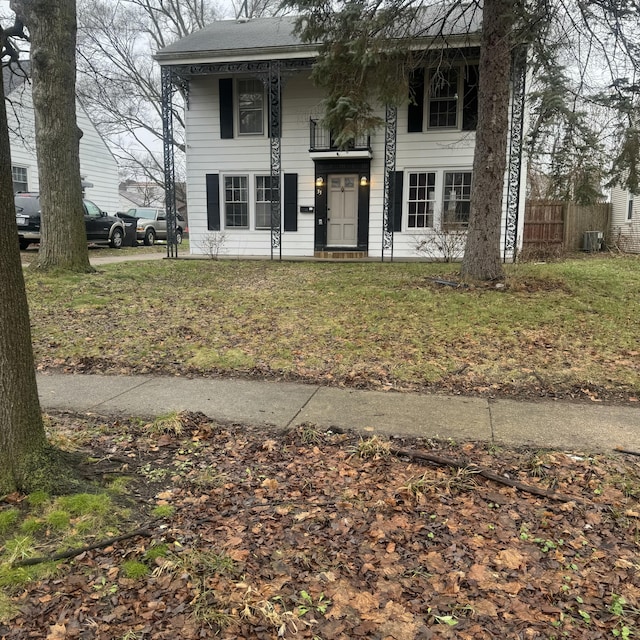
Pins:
x,y
342,211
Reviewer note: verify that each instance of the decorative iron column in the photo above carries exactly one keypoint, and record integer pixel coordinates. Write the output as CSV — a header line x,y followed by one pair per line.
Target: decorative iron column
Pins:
x,y
275,94
390,135
169,166
516,141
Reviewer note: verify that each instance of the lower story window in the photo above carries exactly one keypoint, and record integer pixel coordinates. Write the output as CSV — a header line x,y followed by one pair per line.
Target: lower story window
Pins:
x,y
456,199
630,207
422,199
263,202
19,175
236,202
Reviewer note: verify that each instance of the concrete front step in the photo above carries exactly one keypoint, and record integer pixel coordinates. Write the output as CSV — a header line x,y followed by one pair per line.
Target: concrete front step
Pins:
x,y
341,255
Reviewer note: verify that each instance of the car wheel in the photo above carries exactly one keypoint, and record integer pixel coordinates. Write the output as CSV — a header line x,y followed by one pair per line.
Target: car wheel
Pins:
x,y
149,237
178,236
117,238
24,244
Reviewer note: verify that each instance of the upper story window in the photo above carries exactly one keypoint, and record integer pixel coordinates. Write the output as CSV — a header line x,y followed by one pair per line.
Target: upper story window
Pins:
x,y
443,98
20,182
250,106
630,207
452,99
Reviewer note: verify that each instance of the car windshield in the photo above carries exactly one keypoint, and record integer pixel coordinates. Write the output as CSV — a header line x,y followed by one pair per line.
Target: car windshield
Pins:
x,y
146,214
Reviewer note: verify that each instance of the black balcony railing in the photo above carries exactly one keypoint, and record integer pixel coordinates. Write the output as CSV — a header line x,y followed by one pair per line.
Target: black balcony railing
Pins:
x,y
321,139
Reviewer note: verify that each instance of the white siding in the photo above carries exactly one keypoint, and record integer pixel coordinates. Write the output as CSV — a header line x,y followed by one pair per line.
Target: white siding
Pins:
x,y
625,233
22,133
433,151
207,153
249,155
97,164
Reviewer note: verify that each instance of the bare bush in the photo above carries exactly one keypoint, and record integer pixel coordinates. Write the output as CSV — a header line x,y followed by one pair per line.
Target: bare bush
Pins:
x,y
624,242
441,245
212,244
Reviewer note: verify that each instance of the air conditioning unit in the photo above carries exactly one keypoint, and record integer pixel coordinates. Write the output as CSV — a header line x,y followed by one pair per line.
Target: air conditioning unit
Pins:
x,y
592,241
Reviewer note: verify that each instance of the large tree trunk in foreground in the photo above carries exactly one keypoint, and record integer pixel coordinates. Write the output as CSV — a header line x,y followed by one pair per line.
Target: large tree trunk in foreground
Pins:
x,y
482,253
22,437
52,28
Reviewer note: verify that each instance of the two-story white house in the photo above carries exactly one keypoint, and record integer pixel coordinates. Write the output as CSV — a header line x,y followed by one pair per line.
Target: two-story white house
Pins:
x,y
98,166
263,171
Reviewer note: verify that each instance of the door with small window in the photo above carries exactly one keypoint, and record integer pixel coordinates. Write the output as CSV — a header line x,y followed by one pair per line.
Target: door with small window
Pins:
x,y
342,211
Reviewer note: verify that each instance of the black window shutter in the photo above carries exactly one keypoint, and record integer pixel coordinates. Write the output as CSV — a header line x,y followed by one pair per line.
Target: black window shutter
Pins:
x,y
290,201
226,107
416,100
213,202
395,199
470,100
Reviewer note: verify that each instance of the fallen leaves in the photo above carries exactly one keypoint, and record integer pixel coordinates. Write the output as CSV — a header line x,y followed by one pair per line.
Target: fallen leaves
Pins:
x,y
289,539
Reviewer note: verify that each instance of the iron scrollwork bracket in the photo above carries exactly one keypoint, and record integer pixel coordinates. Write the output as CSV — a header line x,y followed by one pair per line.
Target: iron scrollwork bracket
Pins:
x,y
516,141
390,137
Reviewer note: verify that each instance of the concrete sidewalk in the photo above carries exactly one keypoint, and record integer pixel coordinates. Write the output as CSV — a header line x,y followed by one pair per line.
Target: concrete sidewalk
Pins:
x,y
544,423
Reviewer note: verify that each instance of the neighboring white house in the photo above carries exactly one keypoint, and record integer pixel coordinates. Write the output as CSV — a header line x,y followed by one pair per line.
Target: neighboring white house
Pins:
x,y
625,220
253,123
98,167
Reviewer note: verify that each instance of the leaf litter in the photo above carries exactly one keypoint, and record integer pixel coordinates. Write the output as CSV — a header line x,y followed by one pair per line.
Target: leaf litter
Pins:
x,y
258,533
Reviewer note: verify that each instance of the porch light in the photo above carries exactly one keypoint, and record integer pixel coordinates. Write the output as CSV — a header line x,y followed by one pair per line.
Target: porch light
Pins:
x,y
319,181
363,181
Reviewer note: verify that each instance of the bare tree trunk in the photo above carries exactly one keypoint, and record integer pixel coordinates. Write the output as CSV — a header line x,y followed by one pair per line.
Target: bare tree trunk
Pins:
x,y
482,253
52,28
22,437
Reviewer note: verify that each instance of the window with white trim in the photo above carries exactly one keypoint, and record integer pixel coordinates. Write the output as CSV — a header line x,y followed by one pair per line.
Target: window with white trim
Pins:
x,y
456,201
630,207
250,106
263,202
421,199
443,98
236,202
452,97
20,181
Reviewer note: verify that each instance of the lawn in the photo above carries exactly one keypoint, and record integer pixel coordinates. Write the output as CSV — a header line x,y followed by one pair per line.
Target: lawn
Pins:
x,y
194,529
567,329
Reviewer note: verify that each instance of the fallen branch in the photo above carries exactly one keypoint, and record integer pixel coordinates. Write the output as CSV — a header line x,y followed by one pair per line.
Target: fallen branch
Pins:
x,y
144,532
485,473
449,283
627,451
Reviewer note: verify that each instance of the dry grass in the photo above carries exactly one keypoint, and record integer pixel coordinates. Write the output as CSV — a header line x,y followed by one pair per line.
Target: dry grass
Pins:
x,y
568,328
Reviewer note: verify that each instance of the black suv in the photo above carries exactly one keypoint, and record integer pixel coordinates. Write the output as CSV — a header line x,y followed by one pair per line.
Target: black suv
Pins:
x,y
100,226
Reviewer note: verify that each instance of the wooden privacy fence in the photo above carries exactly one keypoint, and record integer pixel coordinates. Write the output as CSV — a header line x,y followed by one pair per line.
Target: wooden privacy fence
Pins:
x,y
562,225
543,223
